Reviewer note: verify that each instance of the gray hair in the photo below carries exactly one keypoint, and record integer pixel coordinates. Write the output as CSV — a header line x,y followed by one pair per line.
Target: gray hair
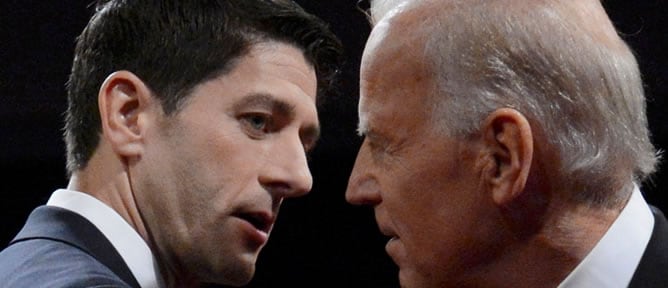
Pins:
x,y
380,8
578,84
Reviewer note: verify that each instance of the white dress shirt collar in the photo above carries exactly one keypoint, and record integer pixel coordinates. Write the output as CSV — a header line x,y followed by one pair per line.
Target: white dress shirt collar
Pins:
x,y
614,259
129,244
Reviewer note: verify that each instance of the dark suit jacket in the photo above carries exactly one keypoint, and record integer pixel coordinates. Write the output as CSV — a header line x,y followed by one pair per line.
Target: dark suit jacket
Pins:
x,y
653,268
59,248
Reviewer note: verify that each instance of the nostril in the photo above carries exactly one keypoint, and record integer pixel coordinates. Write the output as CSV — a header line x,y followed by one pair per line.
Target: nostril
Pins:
x,y
285,190
363,191
278,188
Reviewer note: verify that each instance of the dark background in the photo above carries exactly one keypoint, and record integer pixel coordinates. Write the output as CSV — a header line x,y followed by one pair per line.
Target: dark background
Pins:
x,y
320,240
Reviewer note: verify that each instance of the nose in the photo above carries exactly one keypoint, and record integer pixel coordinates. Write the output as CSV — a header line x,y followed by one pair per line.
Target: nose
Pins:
x,y
363,187
286,173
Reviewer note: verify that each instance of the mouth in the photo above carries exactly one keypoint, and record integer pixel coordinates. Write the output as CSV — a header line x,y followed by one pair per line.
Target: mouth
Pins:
x,y
388,232
262,221
393,248
393,242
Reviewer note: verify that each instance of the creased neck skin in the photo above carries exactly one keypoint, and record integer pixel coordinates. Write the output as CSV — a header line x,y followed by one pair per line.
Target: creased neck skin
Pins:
x,y
107,179
110,183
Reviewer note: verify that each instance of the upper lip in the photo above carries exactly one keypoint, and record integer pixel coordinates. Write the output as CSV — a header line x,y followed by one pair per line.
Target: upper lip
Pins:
x,y
262,220
387,231
384,224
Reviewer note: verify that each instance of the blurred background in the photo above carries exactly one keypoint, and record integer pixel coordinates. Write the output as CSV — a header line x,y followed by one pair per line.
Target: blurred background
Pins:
x,y
319,240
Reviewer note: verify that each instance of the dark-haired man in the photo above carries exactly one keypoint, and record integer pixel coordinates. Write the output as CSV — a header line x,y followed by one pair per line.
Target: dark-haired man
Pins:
x,y
187,125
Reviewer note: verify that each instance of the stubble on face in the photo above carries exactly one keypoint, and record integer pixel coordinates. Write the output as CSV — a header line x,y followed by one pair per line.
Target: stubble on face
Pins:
x,y
425,186
202,186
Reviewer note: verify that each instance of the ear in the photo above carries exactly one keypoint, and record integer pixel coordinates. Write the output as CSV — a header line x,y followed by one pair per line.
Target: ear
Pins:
x,y
507,135
122,100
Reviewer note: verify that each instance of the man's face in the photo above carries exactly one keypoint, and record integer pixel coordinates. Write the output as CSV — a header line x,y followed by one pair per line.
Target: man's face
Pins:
x,y
214,174
421,183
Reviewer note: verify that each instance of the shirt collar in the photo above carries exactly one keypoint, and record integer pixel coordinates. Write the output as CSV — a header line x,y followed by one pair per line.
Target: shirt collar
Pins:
x,y
615,257
129,244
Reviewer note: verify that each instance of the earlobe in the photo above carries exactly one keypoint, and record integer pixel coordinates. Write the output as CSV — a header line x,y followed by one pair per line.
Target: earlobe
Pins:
x,y
509,139
122,99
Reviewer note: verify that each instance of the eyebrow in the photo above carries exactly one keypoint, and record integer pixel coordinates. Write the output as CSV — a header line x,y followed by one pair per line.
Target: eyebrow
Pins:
x,y
309,134
362,127
363,122
267,101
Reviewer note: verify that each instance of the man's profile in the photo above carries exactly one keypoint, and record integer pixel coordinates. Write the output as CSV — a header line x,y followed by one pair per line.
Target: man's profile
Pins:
x,y
505,145
188,123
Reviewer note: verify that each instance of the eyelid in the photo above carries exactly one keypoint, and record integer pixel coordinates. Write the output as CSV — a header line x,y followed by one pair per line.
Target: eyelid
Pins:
x,y
263,115
373,138
372,142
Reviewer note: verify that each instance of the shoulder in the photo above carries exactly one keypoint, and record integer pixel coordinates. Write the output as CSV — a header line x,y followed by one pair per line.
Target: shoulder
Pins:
x,y
51,263
659,240
651,271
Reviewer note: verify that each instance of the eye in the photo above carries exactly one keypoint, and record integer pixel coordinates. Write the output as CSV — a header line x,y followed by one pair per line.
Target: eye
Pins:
x,y
374,145
256,124
378,148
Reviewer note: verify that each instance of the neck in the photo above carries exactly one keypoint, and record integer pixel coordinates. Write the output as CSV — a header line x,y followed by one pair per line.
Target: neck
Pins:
x,y
106,178
112,187
546,258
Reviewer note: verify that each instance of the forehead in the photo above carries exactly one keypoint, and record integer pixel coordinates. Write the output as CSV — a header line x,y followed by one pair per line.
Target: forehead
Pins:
x,y
394,74
282,61
382,8
274,69
272,64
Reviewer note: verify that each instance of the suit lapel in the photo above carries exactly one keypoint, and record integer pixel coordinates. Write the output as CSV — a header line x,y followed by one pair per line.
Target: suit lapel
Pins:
x,y
59,224
651,271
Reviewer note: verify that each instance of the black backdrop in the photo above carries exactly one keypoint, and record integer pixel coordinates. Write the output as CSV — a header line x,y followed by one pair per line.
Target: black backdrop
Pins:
x,y
319,240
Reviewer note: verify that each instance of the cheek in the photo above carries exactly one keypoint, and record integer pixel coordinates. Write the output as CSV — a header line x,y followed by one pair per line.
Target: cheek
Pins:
x,y
220,158
433,207
420,220
185,178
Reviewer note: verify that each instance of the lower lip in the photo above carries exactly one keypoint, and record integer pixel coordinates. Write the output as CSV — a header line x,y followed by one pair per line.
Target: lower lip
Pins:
x,y
391,248
255,236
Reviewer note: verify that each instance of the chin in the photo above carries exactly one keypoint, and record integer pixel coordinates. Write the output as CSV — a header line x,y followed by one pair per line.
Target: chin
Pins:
x,y
405,281
411,279
235,280
237,275
239,281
